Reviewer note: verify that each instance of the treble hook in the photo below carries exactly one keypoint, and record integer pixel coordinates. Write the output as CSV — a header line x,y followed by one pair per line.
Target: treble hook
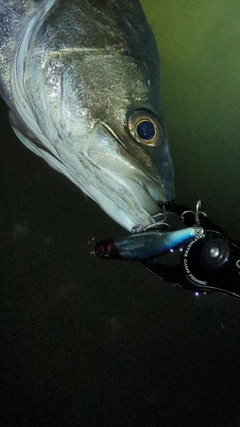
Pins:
x,y
160,223
196,214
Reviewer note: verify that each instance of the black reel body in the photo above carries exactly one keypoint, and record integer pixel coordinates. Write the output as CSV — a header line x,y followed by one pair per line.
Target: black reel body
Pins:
x,y
210,262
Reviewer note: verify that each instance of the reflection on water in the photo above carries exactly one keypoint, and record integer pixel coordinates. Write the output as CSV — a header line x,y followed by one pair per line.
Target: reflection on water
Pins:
x,y
93,343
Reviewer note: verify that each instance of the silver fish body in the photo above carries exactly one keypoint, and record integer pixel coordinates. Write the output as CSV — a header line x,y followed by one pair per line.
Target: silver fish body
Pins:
x,y
81,80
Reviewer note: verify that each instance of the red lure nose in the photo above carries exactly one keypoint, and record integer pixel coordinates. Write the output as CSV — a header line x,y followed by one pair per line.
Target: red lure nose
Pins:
x,y
107,249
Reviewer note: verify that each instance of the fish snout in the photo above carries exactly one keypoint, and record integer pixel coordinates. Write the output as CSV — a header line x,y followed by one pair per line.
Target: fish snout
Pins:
x,y
133,194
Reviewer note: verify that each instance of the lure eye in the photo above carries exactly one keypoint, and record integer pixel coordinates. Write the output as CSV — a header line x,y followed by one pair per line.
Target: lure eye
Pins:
x,y
145,128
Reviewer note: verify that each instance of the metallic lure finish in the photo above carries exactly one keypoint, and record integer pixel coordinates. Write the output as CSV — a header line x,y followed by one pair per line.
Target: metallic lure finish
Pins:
x,y
147,245
76,74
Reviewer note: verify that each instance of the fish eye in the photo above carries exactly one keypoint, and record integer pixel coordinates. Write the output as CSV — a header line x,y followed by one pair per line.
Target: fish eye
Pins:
x,y
145,128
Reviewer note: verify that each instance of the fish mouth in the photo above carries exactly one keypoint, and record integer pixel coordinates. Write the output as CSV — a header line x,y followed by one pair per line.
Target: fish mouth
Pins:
x,y
131,195
131,206
107,173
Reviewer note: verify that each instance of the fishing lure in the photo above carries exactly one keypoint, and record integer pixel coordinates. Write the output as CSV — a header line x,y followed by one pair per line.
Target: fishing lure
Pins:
x,y
146,245
209,259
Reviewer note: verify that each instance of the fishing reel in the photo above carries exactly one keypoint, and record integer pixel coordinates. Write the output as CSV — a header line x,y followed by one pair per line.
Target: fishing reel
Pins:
x,y
209,262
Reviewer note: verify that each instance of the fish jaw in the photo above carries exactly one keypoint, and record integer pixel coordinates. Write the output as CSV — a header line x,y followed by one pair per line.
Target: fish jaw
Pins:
x,y
105,172
110,176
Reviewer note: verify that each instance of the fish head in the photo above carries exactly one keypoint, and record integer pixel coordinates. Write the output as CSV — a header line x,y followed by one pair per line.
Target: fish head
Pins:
x,y
98,106
112,140
126,143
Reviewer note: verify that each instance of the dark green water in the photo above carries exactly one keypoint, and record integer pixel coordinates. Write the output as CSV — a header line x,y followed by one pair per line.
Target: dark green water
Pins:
x,y
90,343
199,46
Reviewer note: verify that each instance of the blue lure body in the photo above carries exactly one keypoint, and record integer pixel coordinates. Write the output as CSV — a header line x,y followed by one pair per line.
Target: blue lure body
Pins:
x,y
146,245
